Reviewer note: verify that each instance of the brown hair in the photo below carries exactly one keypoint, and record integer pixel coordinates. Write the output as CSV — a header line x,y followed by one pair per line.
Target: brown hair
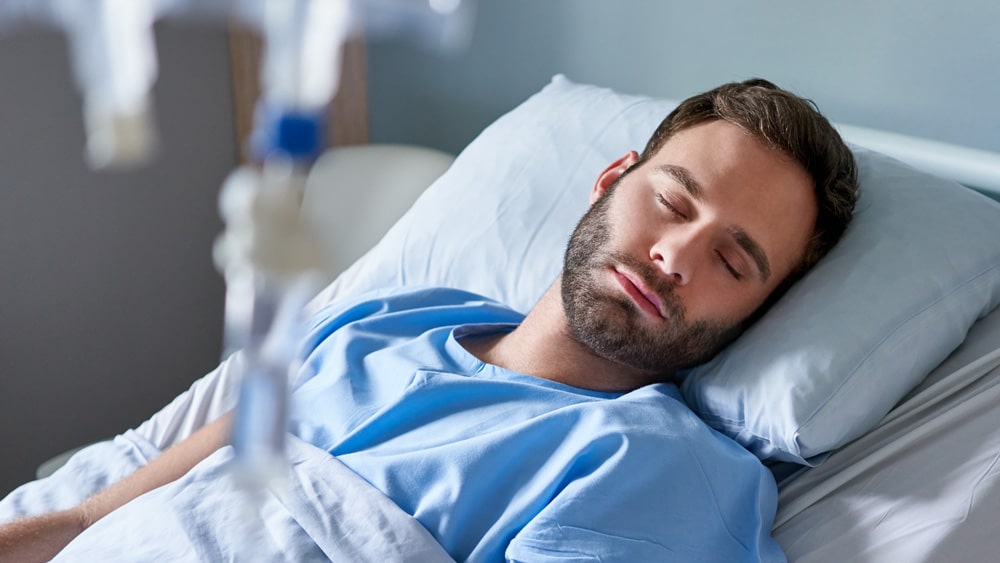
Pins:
x,y
795,127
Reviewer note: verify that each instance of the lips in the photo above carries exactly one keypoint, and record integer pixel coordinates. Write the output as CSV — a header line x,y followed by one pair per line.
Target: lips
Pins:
x,y
643,297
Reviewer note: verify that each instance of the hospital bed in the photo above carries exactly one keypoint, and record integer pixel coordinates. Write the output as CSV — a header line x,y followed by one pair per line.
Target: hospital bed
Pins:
x,y
872,389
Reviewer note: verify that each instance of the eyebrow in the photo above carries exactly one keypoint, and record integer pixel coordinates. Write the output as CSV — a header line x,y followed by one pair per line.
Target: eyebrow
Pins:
x,y
742,238
684,178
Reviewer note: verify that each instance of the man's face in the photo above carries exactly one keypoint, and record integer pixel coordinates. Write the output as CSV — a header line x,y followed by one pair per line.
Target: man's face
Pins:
x,y
673,256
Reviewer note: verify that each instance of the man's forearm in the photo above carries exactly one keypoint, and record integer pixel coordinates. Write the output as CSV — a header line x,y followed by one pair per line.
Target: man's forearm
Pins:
x,y
41,537
169,466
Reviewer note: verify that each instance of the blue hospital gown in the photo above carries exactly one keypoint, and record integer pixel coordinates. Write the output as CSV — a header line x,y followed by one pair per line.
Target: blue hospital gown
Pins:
x,y
500,465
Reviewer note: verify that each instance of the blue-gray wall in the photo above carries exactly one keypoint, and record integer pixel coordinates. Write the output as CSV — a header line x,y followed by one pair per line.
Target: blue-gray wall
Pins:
x,y
920,67
109,302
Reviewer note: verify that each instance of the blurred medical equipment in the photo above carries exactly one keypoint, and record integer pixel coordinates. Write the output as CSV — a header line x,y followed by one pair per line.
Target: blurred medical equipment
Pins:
x,y
113,57
267,253
270,259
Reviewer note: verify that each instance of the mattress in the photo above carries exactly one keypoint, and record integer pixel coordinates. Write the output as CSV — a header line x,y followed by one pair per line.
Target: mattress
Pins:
x,y
923,486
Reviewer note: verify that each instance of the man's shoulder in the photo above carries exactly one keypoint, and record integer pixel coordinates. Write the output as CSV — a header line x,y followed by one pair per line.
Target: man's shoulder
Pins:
x,y
387,300
411,307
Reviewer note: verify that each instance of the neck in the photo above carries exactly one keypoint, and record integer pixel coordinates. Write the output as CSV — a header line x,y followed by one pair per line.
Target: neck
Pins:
x,y
543,346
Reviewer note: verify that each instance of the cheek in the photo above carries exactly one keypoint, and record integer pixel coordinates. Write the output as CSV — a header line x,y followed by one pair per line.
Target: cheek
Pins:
x,y
632,226
713,302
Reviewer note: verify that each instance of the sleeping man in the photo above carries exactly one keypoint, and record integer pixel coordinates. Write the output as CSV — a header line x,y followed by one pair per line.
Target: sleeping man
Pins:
x,y
561,435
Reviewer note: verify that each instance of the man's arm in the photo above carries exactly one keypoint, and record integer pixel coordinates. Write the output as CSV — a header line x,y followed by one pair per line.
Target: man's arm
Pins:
x,y
40,538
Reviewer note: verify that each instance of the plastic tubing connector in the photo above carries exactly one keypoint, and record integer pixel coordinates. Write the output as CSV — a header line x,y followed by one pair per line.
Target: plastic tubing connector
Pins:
x,y
114,62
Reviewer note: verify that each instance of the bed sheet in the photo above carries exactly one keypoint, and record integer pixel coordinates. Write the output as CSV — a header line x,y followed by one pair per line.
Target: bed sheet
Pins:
x,y
322,511
924,486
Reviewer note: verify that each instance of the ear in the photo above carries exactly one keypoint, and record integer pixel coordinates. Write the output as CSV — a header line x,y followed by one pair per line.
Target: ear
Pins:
x,y
611,174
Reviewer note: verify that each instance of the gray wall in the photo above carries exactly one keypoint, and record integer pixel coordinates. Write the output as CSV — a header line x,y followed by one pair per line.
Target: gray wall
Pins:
x,y
109,303
920,67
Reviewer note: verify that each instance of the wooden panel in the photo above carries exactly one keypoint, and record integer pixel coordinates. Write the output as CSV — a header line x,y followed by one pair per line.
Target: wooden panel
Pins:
x,y
347,119
244,65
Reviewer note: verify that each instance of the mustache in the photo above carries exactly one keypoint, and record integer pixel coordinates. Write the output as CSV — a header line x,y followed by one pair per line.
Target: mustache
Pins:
x,y
654,281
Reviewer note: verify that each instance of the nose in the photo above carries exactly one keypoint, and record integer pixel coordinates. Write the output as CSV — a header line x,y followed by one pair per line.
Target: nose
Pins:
x,y
679,253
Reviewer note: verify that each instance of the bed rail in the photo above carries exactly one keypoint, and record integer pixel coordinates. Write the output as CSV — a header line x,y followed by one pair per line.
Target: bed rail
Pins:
x,y
975,168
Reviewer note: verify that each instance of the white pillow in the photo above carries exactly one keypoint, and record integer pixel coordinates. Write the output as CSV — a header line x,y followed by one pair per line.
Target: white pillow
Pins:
x,y
919,264
497,222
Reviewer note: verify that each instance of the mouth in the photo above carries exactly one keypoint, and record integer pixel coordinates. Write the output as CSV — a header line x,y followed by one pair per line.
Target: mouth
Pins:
x,y
645,299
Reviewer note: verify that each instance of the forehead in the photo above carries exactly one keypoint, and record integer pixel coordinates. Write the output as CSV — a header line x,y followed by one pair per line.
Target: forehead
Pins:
x,y
742,182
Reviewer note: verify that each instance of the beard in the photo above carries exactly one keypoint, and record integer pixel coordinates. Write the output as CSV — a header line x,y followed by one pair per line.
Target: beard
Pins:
x,y
611,325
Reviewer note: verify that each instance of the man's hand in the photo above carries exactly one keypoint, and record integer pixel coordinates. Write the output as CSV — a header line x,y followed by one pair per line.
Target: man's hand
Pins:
x,y
40,538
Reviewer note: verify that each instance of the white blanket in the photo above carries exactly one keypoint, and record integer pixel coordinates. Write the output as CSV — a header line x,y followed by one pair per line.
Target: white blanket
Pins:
x,y
324,511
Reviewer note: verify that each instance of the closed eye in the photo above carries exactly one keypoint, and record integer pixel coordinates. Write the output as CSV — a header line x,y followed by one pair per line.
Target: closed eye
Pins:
x,y
663,201
732,271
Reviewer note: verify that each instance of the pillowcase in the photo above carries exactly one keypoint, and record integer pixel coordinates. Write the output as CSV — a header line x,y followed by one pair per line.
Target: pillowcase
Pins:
x,y
918,265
